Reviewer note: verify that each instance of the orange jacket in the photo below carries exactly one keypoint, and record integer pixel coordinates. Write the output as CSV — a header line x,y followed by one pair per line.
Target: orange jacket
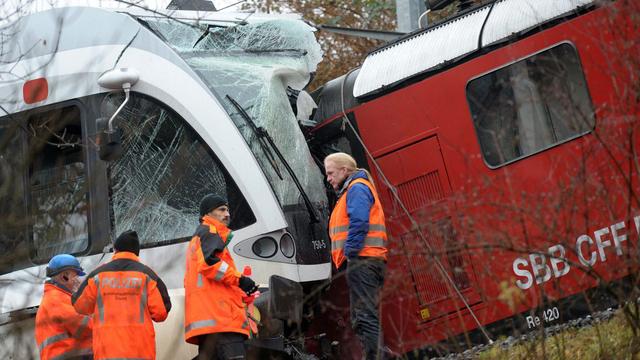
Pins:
x,y
213,300
60,331
124,296
376,239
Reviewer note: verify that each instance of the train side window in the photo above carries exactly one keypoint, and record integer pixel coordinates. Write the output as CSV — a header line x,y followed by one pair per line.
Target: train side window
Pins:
x,y
165,170
14,249
58,189
530,105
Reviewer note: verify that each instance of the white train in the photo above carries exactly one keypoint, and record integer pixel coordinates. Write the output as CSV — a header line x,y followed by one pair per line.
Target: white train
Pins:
x,y
207,112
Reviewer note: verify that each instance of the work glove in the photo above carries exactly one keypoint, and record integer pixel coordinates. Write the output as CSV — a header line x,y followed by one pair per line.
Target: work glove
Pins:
x,y
247,285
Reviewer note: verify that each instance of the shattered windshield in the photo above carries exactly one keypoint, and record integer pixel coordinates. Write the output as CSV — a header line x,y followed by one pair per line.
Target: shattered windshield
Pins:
x,y
254,64
164,171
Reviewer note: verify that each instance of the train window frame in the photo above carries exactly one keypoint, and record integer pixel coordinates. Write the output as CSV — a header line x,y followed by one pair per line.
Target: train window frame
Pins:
x,y
18,257
242,206
25,118
584,89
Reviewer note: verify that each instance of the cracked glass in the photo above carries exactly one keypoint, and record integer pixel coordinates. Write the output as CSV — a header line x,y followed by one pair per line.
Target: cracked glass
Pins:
x,y
164,172
254,64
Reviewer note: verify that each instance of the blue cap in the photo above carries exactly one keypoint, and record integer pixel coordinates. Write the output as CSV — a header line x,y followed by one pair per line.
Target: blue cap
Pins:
x,y
62,262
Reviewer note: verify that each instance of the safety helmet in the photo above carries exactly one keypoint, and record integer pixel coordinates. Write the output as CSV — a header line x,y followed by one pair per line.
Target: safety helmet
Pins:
x,y
62,262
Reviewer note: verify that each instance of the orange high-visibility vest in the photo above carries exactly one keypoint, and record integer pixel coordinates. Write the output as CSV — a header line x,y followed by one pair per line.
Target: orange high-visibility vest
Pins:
x,y
213,300
124,296
61,332
376,240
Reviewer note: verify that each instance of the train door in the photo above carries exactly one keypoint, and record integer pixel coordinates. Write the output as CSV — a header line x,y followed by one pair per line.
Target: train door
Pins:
x,y
14,250
419,174
64,186
47,189
46,186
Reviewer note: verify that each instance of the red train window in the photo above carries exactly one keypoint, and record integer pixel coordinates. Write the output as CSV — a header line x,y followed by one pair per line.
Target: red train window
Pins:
x,y
530,105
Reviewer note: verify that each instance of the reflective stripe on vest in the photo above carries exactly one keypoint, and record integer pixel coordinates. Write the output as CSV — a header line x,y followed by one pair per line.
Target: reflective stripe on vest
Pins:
x,y
53,339
73,354
345,228
199,324
221,271
375,240
81,327
200,281
99,301
143,299
368,241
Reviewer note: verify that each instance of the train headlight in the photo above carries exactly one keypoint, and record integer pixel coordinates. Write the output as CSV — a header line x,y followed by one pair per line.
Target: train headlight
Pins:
x,y
265,247
287,246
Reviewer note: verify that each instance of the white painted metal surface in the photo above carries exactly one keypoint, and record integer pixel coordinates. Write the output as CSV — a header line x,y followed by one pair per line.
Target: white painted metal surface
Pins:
x,y
460,36
73,73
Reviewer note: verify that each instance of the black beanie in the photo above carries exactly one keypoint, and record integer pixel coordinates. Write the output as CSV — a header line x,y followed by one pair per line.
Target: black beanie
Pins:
x,y
210,202
128,241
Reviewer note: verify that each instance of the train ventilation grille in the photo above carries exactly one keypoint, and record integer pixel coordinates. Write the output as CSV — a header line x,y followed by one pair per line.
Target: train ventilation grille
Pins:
x,y
420,191
429,283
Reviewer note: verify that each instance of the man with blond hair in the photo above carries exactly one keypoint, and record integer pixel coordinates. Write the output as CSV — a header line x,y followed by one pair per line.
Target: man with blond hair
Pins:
x,y
358,236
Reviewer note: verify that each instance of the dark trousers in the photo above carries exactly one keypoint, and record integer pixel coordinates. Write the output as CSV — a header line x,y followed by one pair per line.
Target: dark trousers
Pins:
x,y
365,276
221,346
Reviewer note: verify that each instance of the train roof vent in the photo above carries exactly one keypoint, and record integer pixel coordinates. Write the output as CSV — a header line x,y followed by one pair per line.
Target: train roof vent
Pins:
x,y
449,41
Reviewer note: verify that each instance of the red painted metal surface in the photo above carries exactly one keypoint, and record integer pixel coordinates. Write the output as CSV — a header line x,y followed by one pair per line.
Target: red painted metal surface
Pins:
x,y
477,220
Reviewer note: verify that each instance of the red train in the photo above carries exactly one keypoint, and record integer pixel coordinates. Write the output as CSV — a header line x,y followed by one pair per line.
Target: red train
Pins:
x,y
504,145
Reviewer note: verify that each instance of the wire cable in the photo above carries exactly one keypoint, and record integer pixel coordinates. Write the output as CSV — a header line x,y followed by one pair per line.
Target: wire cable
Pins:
x,y
420,18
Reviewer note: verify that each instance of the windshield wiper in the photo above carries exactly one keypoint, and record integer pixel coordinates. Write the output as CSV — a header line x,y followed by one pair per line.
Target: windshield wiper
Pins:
x,y
206,33
297,52
261,140
262,133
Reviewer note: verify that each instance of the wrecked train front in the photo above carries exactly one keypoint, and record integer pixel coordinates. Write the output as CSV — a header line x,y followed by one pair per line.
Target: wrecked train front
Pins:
x,y
209,114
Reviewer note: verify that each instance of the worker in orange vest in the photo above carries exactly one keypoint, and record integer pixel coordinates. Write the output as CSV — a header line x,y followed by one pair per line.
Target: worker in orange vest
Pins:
x,y
215,317
359,237
62,333
124,296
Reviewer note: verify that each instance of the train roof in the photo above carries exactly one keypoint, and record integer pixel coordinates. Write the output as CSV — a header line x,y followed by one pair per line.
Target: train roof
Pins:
x,y
71,27
455,39
34,38
226,16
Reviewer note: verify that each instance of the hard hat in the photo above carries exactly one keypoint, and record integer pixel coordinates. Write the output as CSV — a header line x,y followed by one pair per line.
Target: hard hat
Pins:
x,y
62,262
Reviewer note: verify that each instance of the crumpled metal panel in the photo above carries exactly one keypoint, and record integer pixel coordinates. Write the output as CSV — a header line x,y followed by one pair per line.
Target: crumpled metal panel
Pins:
x,y
433,47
